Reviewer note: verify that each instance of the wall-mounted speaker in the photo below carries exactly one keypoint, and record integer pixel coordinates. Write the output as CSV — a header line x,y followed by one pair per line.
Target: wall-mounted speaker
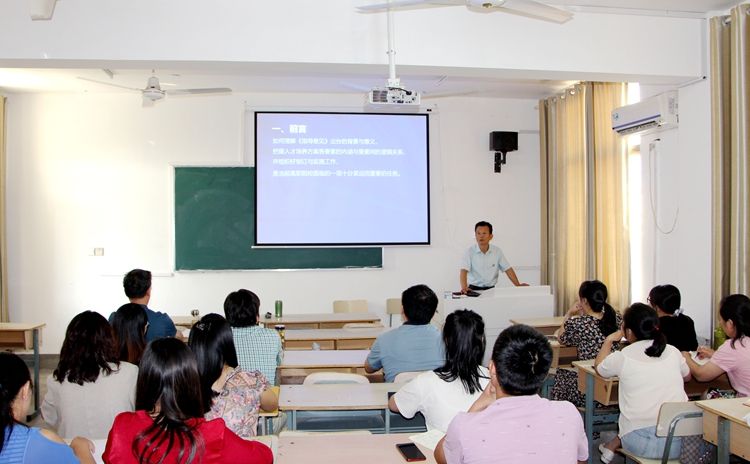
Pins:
x,y
503,141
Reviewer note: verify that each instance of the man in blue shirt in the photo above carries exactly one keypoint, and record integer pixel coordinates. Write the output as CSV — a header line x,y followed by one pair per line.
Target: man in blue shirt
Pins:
x,y
483,262
416,345
137,285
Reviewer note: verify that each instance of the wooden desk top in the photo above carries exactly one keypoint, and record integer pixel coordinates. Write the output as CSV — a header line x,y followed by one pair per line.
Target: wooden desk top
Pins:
x,y
346,448
731,408
324,358
588,367
540,321
321,318
18,327
336,396
334,334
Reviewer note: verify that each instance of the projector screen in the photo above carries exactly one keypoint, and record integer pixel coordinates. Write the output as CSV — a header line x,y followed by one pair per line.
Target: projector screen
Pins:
x,y
326,179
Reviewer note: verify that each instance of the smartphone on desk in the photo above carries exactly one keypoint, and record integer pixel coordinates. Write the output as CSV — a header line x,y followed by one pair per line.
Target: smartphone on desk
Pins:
x,y
411,452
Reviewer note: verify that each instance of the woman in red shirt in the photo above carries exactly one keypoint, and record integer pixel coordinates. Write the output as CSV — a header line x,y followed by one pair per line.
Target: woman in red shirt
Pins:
x,y
168,426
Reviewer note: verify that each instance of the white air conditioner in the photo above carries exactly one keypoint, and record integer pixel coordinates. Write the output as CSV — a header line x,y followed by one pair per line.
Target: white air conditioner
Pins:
x,y
650,115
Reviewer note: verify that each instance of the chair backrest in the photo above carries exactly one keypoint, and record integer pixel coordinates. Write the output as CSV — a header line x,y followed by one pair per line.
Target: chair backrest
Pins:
x,y
692,425
350,306
363,325
406,376
319,378
393,306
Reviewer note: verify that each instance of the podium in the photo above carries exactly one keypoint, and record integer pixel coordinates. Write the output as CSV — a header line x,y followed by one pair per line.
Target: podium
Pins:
x,y
499,305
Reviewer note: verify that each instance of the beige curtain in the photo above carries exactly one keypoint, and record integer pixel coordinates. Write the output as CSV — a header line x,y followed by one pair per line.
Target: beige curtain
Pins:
x,y
730,108
584,193
4,317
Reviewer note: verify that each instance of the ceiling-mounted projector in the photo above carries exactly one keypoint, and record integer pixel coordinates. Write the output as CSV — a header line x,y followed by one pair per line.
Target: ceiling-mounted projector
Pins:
x,y
391,97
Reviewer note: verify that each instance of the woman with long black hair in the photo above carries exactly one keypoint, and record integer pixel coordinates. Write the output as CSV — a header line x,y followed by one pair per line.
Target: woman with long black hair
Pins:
x,y
440,394
129,323
168,426
20,444
651,373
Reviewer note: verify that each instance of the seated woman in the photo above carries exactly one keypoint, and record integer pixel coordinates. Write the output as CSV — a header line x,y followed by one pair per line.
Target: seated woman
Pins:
x,y
651,373
20,444
440,394
673,323
733,357
228,392
168,426
586,326
90,385
130,323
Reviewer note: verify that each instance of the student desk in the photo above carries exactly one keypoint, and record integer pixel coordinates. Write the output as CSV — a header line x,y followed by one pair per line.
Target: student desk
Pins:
x,y
296,365
24,337
319,321
265,418
724,427
332,339
336,397
604,391
546,325
184,321
345,448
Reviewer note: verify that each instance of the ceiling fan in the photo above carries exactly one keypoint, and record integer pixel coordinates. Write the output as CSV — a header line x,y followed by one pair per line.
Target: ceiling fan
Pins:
x,y
153,91
529,8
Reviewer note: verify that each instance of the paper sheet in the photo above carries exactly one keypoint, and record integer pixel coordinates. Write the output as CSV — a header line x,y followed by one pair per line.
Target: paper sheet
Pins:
x,y
428,439
694,355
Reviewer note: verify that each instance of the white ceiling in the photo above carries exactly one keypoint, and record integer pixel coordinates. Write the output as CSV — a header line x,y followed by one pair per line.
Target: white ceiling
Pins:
x,y
304,78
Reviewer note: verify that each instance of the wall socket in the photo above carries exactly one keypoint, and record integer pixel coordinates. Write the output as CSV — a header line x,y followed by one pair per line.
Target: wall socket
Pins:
x,y
98,251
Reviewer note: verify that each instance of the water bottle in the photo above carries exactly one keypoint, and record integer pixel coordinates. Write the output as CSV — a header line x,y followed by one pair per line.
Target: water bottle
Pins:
x,y
279,308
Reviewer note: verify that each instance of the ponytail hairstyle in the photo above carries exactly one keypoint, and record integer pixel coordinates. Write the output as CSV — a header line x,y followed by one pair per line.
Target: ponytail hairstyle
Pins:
x,y
13,376
463,335
736,308
595,292
643,321
665,297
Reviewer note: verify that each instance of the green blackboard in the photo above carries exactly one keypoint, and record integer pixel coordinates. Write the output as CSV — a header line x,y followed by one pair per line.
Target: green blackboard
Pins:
x,y
214,227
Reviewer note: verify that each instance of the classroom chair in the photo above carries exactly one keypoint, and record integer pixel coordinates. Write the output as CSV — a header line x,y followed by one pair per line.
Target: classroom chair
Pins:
x,y
350,306
675,420
392,306
319,378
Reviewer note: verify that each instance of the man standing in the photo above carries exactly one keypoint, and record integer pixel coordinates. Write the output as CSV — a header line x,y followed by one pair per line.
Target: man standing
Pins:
x,y
137,284
416,345
510,423
483,262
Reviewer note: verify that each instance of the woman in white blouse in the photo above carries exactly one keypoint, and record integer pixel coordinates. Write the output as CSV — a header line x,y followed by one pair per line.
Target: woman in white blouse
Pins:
x,y
440,394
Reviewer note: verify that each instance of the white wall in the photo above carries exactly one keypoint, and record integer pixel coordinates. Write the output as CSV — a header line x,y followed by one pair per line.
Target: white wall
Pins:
x,y
235,34
89,171
682,170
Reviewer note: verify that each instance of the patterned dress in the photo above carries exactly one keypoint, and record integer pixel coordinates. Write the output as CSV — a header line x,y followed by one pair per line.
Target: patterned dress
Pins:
x,y
238,402
583,332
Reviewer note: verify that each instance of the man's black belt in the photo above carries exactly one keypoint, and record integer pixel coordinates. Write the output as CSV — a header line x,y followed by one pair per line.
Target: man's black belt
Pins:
x,y
475,287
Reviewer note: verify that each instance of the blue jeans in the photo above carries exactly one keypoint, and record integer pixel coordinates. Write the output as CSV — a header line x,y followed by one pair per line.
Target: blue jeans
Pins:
x,y
645,443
